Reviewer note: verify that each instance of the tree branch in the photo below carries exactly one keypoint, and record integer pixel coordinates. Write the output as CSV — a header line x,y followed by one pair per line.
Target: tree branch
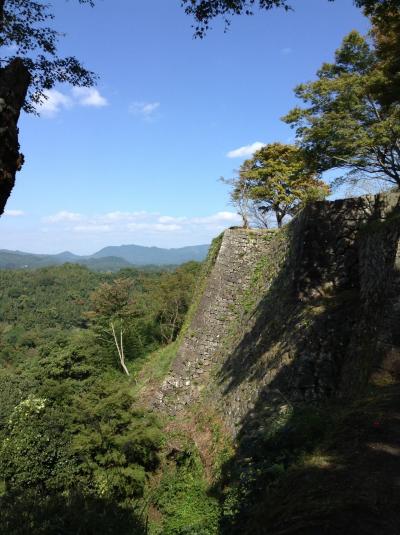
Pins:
x,y
120,349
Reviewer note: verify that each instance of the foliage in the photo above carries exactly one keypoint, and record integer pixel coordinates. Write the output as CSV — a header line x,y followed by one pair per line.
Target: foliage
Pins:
x,y
148,311
265,460
34,451
386,36
115,446
175,295
36,306
347,124
28,511
204,11
46,298
276,179
72,434
25,31
183,497
240,196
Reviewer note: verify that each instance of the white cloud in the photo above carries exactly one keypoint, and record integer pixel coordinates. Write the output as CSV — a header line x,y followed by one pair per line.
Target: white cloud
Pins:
x,y
168,219
14,213
131,224
218,218
86,233
64,215
89,96
154,227
124,216
246,150
145,110
92,228
54,102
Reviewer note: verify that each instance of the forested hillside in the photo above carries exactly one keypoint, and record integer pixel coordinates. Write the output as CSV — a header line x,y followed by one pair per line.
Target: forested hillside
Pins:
x,y
253,392
107,259
75,452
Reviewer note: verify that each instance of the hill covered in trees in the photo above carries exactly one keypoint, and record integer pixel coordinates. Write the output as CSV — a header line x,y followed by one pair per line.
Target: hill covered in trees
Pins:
x,y
257,393
111,258
73,446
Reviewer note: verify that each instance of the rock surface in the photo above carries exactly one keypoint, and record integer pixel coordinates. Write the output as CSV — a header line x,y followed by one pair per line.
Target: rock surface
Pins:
x,y
293,315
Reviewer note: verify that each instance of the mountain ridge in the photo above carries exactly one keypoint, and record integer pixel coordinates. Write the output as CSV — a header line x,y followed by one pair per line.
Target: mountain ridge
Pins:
x,y
110,258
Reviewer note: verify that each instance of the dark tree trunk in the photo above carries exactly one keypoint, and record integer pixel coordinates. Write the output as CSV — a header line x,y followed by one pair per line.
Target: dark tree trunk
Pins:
x,y
14,83
1,15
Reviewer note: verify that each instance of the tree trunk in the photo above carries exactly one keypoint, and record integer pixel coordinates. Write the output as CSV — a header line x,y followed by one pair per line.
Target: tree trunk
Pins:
x,y
14,83
1,18
120,348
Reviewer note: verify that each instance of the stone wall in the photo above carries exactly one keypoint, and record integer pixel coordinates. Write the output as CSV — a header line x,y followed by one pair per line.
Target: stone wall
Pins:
x,y
294,315
227,283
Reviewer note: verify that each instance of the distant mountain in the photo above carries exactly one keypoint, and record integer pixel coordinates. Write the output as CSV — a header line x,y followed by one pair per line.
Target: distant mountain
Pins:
x,y
142,256
111,258
66,256
108,263
18,260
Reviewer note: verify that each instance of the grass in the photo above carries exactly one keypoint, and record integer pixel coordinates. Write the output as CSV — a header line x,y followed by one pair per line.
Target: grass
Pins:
x,y
181,501
155,367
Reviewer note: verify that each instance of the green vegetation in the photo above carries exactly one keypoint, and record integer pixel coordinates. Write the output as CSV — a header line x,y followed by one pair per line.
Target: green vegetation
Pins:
x,y
351,119
83,353
183,499
112,258
275,180
24,33
74,437
205,11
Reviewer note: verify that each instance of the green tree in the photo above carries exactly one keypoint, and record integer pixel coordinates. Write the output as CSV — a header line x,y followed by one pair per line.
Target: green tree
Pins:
x,y
29,66
346,124
204,11
25,34
240,195
112,307
114,444
34,451
174,295
386,36
278,181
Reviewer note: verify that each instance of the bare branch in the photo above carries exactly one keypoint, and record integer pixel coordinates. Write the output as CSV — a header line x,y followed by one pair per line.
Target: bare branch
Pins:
x,y
120,348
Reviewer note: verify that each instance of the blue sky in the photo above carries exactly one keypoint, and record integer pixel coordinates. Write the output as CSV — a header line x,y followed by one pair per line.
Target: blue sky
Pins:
x,y
137,160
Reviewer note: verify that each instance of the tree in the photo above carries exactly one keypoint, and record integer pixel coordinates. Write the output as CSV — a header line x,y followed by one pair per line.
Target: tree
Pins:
x,y
347,124
112,306
174,295
204,11
240,195
386,35
279,182
29,66
33,427
115,444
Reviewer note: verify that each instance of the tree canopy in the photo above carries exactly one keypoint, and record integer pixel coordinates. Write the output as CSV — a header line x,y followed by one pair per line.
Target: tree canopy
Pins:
x,y
347,122
275,180
204,11
77,447
26,33
29,66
